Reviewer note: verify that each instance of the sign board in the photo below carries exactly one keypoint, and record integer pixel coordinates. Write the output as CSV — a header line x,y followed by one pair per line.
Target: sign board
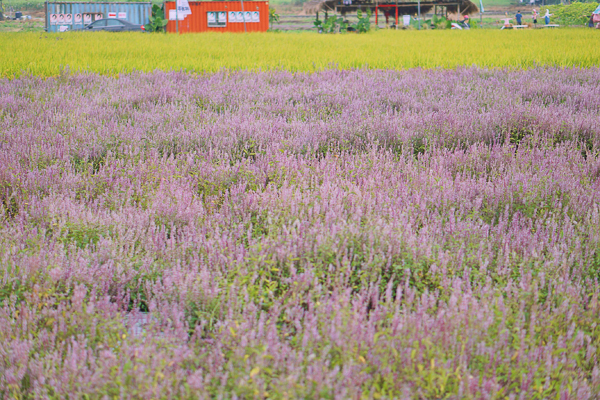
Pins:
x,y
98,16
63,28
122,15
53,19
61,18
112,15
87,18
68,18
78,18
255,16
216,19
180,15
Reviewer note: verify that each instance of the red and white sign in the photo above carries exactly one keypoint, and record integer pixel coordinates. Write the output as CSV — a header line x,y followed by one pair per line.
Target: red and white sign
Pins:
x,y
122,15
112,15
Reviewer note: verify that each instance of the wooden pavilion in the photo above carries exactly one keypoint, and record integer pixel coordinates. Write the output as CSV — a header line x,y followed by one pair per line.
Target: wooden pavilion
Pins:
x,y
391,8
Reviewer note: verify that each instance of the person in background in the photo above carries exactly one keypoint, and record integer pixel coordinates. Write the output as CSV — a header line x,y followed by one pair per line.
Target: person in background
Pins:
x,y
534,16
519,17
465,21
547,17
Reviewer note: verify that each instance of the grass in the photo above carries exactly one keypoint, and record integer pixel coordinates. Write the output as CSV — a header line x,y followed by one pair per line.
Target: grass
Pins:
x,y
106,53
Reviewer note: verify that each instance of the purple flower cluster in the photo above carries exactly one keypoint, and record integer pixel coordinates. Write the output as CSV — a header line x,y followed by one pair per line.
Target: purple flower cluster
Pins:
x,y
343,234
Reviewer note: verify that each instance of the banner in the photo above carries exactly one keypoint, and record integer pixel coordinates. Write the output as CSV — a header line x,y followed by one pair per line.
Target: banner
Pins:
x,y
183,8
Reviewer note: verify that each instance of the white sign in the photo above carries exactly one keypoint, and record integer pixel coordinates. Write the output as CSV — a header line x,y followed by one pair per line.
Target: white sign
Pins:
x,y
112,15
61,18
98,16
183,7
78,18
406,20
122,15
248,16
240,16
68,18
63,28
173,16
255,16
87,18
232,16
53,19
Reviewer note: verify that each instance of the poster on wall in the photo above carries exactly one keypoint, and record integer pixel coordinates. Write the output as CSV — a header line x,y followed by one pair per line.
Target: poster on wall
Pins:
x,y
68,18
216,19
232,16
239,17
248,16
53,19
61,18
98,16
112,15
78,18
63,28
122,15
173,15
255,16
87,18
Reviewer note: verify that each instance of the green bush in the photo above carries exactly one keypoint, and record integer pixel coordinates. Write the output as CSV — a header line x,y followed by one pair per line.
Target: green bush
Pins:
x,y
572,14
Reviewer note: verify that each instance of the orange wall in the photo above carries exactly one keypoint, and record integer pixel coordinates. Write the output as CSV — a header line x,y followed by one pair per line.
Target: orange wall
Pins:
x,y
196,22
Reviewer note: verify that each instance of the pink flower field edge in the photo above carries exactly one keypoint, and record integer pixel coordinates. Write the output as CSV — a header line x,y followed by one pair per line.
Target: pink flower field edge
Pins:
x,y
337,235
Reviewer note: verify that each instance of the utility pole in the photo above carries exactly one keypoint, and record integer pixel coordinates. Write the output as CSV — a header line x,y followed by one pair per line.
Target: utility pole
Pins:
x,y
419,6
244,16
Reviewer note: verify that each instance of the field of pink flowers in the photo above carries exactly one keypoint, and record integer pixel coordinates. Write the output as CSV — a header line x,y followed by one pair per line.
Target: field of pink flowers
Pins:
x,y
336,235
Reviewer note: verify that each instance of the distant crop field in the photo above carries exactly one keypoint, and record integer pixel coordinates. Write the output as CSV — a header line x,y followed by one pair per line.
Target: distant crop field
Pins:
x,y
48,54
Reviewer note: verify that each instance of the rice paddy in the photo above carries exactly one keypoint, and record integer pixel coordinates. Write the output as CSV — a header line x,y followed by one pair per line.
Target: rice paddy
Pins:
x,y
49,54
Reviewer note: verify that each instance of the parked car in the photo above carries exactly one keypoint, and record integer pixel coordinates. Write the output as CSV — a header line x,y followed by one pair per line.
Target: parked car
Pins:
x,y
113,25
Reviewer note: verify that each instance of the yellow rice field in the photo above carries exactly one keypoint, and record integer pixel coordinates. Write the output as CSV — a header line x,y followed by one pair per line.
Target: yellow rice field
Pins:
x,y
107,53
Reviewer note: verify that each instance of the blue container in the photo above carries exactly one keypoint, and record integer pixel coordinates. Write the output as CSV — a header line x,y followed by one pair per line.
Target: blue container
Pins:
x,y
63,17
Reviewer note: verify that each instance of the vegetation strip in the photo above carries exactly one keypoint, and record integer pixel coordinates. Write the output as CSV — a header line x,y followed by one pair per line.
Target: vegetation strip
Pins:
x,y
106,53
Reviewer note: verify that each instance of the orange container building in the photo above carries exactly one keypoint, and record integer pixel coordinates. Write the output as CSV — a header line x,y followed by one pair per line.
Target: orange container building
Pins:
x,y
221,16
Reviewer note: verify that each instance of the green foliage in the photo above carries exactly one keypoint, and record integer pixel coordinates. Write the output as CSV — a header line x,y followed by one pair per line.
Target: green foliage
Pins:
x,y
437,22
273,16
570,14
330,25
339,24
364,21
158,22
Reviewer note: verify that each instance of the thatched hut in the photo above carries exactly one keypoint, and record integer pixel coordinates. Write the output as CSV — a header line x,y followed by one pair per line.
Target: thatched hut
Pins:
x,y
343,7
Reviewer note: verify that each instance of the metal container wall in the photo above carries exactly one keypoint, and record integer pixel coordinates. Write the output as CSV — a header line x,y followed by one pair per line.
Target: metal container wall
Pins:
x,y
198,20
136,13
